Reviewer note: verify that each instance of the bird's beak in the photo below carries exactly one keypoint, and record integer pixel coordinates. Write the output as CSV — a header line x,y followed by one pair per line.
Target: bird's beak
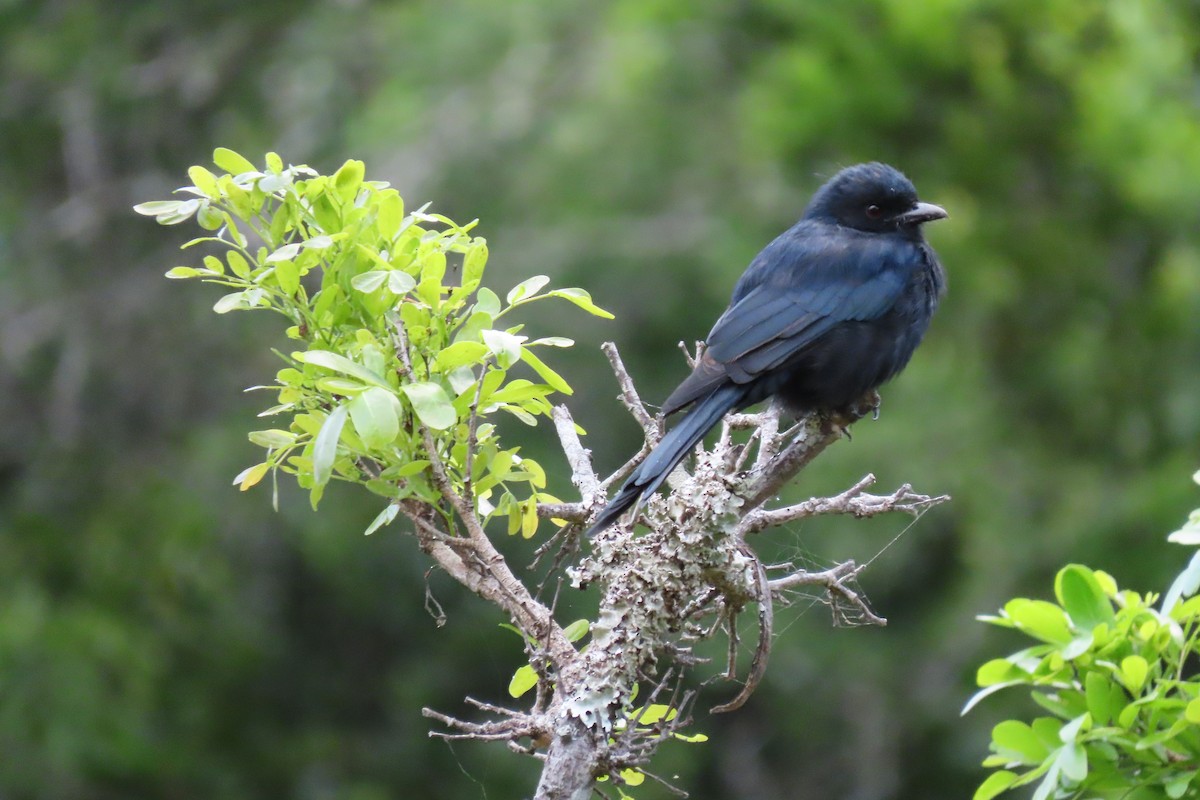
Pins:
x,y
922,212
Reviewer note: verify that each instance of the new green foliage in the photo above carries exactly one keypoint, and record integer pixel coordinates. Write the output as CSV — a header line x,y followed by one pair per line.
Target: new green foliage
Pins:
x,y
1115,676
395,350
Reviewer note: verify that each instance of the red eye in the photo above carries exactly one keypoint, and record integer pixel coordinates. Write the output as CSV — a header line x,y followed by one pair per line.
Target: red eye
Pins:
x,y
874,212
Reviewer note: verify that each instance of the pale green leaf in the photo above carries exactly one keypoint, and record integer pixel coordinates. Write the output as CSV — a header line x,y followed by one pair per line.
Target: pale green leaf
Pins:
x,y
997,783
251,475
581,298
238,264
376,416
205,181
285,253
527,288
232,162
326,444
369,281
524,679
460,354
431,404
175,273
505,346
382,518
548,375
400,282
1081,595
577,630
273,438
339,363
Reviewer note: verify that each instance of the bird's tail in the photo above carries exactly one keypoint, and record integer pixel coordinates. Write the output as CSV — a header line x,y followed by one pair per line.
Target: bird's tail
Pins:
x,y
651,473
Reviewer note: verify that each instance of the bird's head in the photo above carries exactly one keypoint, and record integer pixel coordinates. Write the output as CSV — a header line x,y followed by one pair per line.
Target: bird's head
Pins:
x,y
874,198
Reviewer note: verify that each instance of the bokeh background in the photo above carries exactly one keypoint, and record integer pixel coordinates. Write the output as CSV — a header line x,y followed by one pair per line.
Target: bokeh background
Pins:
x,y
164,636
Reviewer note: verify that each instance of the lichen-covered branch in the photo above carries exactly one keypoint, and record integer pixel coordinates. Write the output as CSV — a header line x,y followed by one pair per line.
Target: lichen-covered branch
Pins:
x,y
687,576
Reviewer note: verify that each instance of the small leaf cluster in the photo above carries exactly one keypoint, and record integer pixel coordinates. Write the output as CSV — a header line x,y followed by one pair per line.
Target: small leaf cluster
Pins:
x,y
394,355
1115,676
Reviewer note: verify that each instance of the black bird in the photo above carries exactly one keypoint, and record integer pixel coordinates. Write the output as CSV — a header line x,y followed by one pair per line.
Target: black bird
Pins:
x,y
830,310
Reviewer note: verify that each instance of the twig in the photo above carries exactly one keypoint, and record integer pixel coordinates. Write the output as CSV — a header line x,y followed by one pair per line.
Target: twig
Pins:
x,y
766,627
853,501
834,580
629,395
578,459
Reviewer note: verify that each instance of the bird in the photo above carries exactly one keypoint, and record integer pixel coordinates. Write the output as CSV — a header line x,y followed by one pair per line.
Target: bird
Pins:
x,y
830,310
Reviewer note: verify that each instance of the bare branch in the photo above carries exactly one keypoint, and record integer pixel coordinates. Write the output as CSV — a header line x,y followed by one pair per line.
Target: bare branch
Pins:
x,y
766,627
853,501
835,582
579,459
629,395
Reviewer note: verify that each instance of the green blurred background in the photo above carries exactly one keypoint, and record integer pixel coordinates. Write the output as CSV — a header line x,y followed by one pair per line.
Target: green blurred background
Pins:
x,y
164,636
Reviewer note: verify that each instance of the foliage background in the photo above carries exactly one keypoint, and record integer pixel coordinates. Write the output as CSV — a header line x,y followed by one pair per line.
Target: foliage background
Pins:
x,y
162,635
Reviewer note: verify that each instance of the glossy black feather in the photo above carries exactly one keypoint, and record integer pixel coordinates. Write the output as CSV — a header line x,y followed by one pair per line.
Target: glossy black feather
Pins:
x,y
831,309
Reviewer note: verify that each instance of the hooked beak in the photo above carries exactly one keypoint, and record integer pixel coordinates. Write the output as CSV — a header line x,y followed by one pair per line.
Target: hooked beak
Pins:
x,y
922,212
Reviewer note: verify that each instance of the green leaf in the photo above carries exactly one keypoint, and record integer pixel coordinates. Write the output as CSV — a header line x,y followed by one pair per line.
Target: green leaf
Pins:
x,y
696,737
582,299
431,404
1072,761
1177,786
1098,691
339,363
1039,619
1185,585
998,670
656,712
205,181
1080,594
376,416
384,517
348,178
577,630
474,262
285,253
460,354
524,679
273,438
234,301
232,162
238,264
548,375
633,777
156,208
1134,670
389,213
527,288
342,386
287,273
175,273
274,162
368,282
1015,737
1192,712
995,784
326,444
400,282
529,519
487,301
251,475
505,346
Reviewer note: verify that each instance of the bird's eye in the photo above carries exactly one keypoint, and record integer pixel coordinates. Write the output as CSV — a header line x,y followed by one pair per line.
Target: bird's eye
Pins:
x,y
874,211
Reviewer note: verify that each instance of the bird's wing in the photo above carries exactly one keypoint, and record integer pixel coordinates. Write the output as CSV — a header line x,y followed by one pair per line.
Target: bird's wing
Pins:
x,y
812,289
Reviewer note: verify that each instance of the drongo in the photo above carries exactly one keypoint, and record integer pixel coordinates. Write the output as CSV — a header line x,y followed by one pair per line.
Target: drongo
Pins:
x,y
827,312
